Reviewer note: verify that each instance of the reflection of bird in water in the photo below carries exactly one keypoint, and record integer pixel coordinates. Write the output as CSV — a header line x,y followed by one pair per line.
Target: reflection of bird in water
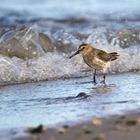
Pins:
x,y
96,59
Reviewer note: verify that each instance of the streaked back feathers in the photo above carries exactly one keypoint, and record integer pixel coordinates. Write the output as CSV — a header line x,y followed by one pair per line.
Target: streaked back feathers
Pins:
x,y
113,56
104,56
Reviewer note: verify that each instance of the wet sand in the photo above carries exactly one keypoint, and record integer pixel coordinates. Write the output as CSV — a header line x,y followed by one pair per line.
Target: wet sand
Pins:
x,y
114,128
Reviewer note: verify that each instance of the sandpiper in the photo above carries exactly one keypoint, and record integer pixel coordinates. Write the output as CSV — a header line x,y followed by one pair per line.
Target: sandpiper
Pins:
x,y
96,59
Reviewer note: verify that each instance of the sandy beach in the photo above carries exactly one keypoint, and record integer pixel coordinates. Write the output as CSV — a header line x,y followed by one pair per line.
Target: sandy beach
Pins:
x,y
114,128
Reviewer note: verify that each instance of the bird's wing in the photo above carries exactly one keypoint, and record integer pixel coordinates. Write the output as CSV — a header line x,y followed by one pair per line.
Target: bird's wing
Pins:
x,y
102,55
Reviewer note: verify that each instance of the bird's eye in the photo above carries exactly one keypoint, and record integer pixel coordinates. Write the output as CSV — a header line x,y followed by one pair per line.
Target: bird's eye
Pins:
x,y
82,48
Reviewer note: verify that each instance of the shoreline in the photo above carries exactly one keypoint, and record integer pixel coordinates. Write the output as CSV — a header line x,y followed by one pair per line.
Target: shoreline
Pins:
x,y
116,127
71,77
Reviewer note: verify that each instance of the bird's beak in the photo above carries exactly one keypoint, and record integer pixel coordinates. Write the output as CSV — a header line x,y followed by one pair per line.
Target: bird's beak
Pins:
x,y
77,52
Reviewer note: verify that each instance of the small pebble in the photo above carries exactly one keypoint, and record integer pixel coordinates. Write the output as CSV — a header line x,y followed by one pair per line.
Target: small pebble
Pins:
x,y
37,129
131,122
123,117
65,126
97,122
101,136
138,121
120,127
87,131
61,130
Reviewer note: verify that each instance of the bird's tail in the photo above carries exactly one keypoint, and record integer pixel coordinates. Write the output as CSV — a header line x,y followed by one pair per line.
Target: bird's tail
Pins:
x,y
113,56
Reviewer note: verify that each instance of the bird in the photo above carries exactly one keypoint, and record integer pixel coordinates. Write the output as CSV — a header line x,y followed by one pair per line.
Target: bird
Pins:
x,y
96,59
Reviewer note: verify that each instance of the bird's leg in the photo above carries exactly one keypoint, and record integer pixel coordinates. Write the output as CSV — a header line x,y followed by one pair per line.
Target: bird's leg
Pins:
x,y
104,77
94,77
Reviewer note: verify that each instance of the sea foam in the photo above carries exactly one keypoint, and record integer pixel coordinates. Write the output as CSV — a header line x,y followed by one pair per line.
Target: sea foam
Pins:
x,y
56,64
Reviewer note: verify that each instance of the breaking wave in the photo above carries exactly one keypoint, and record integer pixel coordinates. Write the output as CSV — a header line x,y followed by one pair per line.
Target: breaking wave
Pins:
x,y
29,54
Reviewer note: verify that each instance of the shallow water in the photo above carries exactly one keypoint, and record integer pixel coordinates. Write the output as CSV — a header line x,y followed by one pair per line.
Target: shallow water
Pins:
x,y
53,103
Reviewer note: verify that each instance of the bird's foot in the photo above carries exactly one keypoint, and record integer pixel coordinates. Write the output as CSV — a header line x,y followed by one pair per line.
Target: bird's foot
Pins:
x,y
95,83
103,82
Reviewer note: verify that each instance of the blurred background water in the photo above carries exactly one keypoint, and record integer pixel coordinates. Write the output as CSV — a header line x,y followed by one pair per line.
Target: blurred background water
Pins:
x,y
59,9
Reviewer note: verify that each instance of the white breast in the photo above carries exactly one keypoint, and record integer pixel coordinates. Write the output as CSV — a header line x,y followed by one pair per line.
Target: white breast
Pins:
x,y
106,67
99,63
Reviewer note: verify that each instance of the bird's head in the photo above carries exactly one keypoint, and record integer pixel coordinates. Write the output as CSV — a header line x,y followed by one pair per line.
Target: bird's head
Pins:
x,y
83,49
